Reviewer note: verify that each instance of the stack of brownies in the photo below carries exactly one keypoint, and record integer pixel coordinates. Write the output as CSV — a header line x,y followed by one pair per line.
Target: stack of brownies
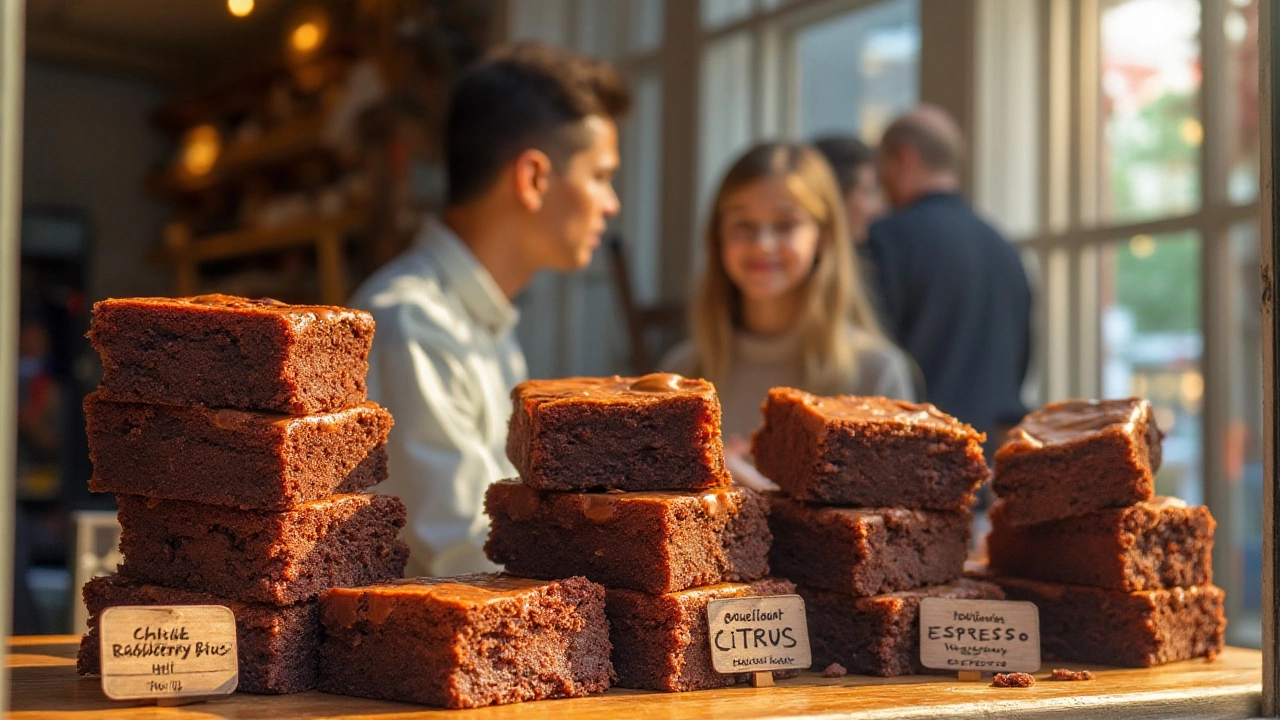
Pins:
x,y
622,480
237,438
873,515
1121,577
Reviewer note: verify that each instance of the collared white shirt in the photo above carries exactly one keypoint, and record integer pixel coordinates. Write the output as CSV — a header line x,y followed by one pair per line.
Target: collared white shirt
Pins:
x,y
444,360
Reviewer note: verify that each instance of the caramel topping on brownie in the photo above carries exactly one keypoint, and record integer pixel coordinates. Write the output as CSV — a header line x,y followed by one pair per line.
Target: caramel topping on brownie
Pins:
x,y
875,409
610,388
1066,422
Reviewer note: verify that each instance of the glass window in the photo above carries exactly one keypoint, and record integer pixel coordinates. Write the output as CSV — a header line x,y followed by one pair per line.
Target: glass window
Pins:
x,y
726,99
858,70
644,25
719,13
1240,530
1152,342
1240,27
1150,124
641,203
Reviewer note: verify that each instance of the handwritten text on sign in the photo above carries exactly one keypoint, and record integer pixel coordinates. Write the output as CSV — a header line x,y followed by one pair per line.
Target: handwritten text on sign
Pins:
x,y
983,635
755,634
167,652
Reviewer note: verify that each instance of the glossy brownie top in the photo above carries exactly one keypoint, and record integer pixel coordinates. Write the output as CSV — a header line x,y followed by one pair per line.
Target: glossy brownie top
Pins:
x,y
523,502
872,409
616,389
1062,423
237,305
344,605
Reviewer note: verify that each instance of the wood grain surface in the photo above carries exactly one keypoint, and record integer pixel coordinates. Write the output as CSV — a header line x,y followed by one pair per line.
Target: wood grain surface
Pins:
x,y
45,685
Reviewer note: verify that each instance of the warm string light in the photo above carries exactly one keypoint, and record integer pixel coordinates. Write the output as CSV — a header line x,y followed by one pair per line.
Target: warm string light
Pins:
x,y
240,8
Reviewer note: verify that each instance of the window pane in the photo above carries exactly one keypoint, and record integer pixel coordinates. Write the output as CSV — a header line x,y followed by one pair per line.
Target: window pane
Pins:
x,y
718,13
644,25
641,184
858,70
1240,26
1152,341
726,101
1151,131
1240,531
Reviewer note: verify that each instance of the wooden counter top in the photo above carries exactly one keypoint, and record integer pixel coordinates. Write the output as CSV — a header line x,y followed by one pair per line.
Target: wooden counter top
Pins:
x,y
45,685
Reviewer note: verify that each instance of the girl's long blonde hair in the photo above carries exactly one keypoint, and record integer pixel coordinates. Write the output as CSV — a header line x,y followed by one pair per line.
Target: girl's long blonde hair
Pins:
x,y
832,298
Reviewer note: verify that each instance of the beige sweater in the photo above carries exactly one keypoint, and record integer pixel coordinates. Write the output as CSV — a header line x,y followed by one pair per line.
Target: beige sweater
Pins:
x,y
765,361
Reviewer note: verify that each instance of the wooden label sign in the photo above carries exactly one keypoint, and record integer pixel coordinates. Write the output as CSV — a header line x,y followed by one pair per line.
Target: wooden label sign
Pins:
x,y
757,634
168,652
979,635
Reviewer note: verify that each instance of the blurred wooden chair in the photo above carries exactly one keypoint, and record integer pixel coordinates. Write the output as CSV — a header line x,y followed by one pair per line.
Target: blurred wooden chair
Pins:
x,y
641,320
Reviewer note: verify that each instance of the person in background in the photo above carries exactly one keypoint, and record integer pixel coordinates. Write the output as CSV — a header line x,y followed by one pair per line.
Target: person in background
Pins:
x,y
531,147
953,292
854,165
781,302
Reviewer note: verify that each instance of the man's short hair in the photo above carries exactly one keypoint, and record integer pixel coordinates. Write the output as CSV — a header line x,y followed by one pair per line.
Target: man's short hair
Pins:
x,y
845,154
932,133
523,96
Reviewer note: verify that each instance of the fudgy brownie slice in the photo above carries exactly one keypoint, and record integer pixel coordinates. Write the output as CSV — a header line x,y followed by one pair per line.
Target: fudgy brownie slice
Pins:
x,y
276,646
660,642
466,641
1139,629
656,432
1157,544
1074,457
865,551
225,351
868,452
261,556
241,458
877,635
655,542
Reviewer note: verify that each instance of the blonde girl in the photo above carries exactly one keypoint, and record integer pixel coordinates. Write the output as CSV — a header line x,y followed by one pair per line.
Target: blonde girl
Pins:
x,y
781,300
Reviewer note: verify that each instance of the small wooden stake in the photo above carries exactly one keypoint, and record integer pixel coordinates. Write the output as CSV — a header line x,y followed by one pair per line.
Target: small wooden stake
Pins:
x,y
762,679
970,675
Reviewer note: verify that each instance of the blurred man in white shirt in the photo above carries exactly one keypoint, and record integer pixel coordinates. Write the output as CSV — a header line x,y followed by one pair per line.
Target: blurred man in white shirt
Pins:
x,y
531,146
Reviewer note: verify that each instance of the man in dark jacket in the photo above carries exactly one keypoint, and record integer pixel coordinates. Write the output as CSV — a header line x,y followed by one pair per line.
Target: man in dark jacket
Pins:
x,y
953,292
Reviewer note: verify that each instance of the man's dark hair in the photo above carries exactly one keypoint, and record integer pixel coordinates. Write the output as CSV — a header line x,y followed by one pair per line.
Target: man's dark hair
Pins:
x,y
845,154
932,133
524,96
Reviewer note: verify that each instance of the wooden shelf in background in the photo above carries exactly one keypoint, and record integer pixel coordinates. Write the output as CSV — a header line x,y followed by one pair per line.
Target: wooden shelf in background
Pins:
x,y
325,234
283,144
44,683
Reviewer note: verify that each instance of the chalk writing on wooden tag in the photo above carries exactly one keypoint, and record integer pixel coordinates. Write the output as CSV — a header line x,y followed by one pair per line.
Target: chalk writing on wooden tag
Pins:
x,y
168,652
981,635
756,634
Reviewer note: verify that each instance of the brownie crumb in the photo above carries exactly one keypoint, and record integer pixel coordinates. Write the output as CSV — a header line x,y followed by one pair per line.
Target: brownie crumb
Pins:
x,y
1211,655
835,670
1018,680
1065,674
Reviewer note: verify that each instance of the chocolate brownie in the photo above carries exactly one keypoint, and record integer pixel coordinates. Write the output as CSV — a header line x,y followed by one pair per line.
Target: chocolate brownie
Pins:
x,y
656,432
225,351
865,551
660,642
655,542
1139,629
240,458
1074,457
1152,545
877,635
277,646
868,452
467,641
261,556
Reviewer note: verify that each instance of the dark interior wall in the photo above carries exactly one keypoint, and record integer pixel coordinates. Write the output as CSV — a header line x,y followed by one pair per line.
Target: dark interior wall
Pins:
x,y
88,145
